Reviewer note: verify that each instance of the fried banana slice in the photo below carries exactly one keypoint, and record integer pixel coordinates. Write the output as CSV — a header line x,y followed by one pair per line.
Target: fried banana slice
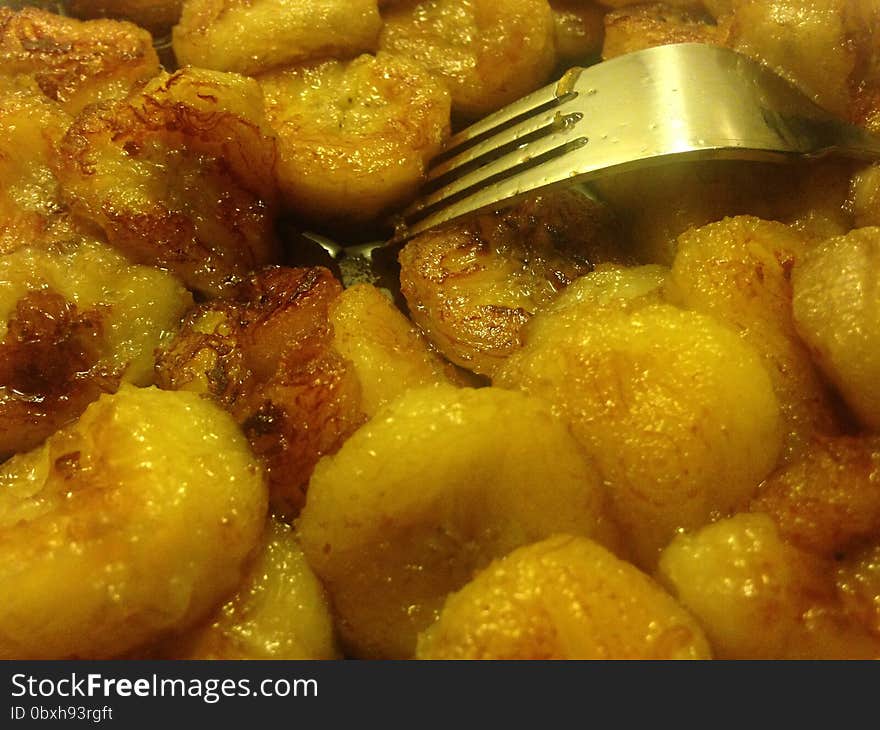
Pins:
x,y
562,598
837,312
354,138
156,15
267,358
180,175
30,128
388,354
808,43
739,271
828,502
434,487
75,321
258,35
75,62
280,611
644,26
580,29
678,413
135,521
471,286
758,597
488,52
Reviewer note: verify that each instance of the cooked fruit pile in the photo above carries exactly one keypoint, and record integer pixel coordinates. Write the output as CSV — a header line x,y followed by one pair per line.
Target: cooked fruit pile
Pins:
x,y
640,421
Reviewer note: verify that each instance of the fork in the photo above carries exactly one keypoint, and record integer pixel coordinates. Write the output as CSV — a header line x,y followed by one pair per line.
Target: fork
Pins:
x,y
668,103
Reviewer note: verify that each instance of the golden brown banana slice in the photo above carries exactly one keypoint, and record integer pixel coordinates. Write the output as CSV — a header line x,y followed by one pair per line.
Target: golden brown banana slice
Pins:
x,y
255,36
837,312
828,502
562,598
471,286
678,413
633,29
180,175
75,62
388,354
76,319
30,128
279,611
135,521
811,44
739,271
758,597
430,490
354,137
267,358
488,52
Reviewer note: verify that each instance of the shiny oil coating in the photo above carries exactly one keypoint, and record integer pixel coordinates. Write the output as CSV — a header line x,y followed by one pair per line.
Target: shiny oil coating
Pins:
x,y
280,611
133,521
837,313
435,486
563,598
253,36
677,411
354,138
76,319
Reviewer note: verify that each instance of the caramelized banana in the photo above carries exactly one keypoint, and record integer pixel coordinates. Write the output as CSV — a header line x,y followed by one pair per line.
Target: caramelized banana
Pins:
x,y
354,138
179,175
828,502
562,598
388,354
267,359
75,62
75,321
837,312
135,521
471,286
30,128
644,26
677,411
435,486
758,597
279,611
739,271
258,35
811,44
488,52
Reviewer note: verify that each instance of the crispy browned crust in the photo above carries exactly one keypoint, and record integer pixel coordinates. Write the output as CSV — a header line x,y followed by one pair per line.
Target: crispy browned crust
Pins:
x,y
267,358
829,502
49,369
212,224
472,286
72,61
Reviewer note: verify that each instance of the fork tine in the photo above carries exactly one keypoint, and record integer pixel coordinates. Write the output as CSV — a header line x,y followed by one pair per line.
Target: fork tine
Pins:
x,y
502,142
510,183
551,145
539,101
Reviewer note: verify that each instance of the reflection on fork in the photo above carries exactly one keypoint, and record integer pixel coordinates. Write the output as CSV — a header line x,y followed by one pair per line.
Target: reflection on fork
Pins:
x,y
668,103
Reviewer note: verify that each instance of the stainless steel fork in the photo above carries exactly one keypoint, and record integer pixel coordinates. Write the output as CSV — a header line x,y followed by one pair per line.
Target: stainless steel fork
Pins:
x,y
679,102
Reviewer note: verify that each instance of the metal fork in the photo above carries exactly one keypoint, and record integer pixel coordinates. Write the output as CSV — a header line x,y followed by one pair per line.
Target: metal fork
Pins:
x,y
669,103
